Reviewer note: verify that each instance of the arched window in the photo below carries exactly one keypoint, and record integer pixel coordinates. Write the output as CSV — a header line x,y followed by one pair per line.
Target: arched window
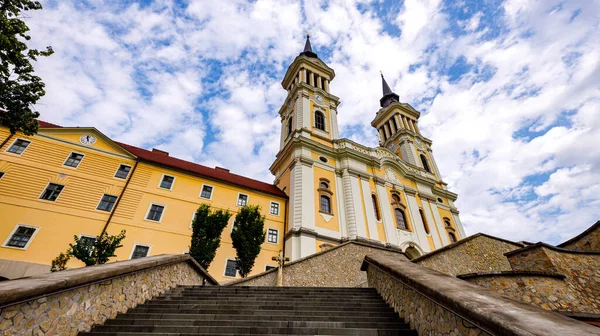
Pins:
x,y
447,222
325,204
324,185
395,198
289,126
452,237
376,207
320,120
400,219
425,225
425,163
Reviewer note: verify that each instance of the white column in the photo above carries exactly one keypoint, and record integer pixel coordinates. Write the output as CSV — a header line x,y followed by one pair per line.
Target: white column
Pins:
x,y
432,162
439,224
459,226
349,205
371,219
398,121
335,133
389,224
339,196
304,121
408,153
302,199
428,207
361,226
387,131
413,212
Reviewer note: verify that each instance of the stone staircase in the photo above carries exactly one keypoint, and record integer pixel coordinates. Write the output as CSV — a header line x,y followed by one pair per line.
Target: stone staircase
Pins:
x,y
192,310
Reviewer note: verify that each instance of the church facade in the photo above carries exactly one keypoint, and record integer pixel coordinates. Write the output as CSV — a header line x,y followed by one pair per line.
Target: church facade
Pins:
x,y
340,190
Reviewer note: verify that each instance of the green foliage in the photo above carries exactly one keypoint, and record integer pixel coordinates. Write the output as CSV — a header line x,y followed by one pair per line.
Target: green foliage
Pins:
x,y
20,89
247,236
206,233
100,251
60,263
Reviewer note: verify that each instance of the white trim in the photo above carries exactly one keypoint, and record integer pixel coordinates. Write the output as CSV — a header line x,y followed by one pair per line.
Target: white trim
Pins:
x,y
129,172
68,157
12,143
161,180
37,228
238,199
100,201
140,244
269,266
192,221
225,269
161,215
267,237
278,208
232,224
40,197
211,192
2,174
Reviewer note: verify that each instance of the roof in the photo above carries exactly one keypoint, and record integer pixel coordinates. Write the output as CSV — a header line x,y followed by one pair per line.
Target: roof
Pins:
x,y
194,168
581,235
460,242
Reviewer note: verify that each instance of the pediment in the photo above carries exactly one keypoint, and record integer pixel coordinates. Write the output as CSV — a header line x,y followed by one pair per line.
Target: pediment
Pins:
x,y
88,137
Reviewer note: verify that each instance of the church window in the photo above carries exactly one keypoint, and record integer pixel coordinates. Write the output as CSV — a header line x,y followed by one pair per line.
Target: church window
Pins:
x,y
447,222
424,220
289,126
400,219
376,207
324,185
320,120
323,159
395,198
425,163
325,204
452,237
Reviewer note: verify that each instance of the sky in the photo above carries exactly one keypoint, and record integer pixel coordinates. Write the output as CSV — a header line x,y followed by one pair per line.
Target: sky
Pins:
x,y
509,91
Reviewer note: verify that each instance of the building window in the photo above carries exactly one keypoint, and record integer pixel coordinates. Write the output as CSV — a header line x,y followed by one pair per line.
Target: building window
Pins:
x,y
87,242
140,251
320,120
376,207
396,199
447,222
425,163
107,202
52,192
21,236
325,204
324,185
452,237
123,171
424,220
274,208
73,160
19,146
231,268
269,267
1,175
167,182
155,212
400,219
206,191
272,236
289,126
242,200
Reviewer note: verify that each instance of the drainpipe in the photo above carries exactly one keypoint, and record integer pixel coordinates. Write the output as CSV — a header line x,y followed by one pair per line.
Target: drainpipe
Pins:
x,y
120,196
6,140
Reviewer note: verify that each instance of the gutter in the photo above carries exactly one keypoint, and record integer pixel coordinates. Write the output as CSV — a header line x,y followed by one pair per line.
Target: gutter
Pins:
x,y
120,196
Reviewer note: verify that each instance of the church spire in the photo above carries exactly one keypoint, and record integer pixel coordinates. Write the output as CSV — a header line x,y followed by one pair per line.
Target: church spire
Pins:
x,y
388,95
308,52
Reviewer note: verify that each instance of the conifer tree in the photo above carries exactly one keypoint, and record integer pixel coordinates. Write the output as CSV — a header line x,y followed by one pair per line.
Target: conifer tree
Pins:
x,y
100,251
247,236
206,233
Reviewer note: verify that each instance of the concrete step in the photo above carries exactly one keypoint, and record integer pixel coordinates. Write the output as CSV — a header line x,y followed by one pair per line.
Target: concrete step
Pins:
x,y
274,300
267,305
386,317
254,330
253,323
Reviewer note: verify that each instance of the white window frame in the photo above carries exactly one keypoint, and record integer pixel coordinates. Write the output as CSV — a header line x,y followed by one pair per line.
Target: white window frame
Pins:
x,y
269,266
211,192
128,173
326,130
161,180
225,270
161,216
232,224
268,242
192,221
71,167
46,187
88,236
238,199
278,208
12,143
140,244
37,228
100,201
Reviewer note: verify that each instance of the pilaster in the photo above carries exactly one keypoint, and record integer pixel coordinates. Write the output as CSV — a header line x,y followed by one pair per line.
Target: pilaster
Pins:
x,y
389,224
349,205
371,219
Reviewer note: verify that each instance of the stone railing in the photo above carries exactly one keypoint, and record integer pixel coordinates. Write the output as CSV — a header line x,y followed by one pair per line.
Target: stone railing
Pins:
x,y
438,304
67,302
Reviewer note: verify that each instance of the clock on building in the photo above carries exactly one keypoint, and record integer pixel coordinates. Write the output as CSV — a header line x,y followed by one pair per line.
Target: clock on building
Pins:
x,y
87,139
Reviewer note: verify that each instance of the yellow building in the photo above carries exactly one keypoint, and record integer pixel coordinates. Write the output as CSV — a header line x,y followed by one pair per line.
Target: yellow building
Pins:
x,y
68,181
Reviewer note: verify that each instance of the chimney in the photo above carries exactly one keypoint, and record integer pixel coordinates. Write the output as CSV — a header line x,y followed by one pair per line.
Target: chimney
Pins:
x,y
161,152
222,169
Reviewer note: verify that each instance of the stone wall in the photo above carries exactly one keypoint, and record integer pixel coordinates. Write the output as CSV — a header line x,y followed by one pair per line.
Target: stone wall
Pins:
x,y
67,302
476,254
336,267
438,304
589,240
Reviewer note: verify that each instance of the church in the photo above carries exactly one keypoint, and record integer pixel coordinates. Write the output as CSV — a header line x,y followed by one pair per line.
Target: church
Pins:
x,y
75,181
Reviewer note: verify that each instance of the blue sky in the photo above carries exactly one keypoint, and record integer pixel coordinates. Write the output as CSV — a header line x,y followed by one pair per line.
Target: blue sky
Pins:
x,y
509,90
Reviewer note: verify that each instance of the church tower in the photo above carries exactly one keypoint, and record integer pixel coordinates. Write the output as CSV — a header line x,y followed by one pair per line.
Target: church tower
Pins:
x,y
340,190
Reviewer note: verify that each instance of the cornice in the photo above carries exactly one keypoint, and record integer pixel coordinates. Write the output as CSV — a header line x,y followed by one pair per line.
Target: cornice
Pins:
x,y
294,68
403,107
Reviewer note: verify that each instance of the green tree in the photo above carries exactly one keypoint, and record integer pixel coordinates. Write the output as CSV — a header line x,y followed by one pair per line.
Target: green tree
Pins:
x,y
102,248
247,236
207,227
20,89
60,263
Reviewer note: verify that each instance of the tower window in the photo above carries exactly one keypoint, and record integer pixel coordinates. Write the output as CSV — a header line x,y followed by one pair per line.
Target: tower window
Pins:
x,y
320,120
447,222
424,220
325,204
289,127
73,160
425,163
19,146
52,192
396,199
376,207
324,185
452,237
400,219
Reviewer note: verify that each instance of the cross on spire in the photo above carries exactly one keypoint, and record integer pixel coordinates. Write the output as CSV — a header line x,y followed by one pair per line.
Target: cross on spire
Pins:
x,y
308,48
388,95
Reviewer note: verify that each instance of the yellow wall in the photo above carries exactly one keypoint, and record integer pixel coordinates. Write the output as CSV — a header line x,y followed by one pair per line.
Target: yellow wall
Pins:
x,y
319,220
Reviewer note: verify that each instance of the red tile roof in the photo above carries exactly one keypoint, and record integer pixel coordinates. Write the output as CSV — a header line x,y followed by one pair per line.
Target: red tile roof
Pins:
x,y
194,168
